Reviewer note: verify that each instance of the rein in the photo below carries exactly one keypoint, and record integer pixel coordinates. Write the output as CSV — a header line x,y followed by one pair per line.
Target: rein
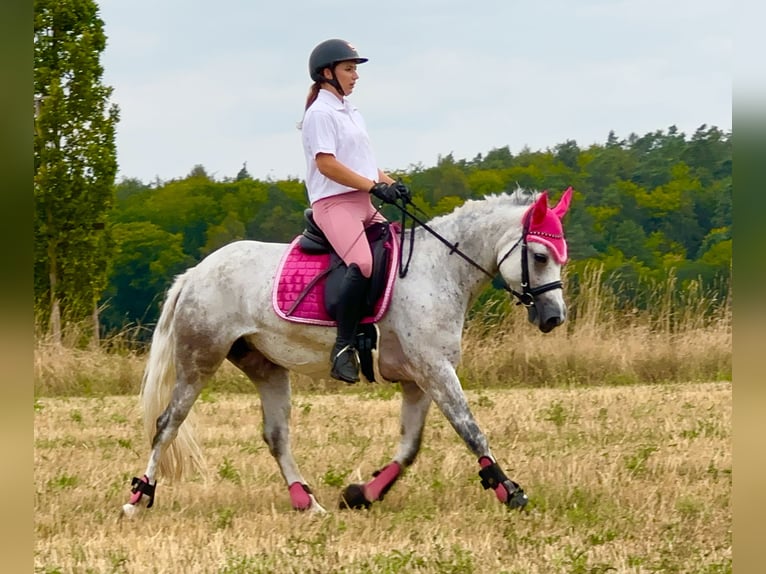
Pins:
x,y
527,295
453,246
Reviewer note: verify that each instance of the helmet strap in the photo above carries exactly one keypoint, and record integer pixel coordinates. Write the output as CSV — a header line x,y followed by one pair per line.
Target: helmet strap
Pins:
x,y
334,81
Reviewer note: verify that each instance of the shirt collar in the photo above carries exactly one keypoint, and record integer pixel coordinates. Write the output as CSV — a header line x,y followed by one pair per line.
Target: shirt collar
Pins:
x,y
329,98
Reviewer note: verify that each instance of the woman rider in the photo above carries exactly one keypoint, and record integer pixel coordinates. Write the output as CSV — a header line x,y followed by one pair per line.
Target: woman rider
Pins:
x,y
341,174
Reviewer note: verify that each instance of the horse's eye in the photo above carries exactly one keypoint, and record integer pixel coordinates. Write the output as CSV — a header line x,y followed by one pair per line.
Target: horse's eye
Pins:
x,y
541,258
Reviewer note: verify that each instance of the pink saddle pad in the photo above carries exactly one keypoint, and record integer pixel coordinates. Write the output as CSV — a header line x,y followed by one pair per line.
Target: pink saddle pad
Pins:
x,y
298,269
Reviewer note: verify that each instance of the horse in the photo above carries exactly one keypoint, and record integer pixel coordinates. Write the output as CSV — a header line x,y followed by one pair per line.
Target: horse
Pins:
x,y
221,309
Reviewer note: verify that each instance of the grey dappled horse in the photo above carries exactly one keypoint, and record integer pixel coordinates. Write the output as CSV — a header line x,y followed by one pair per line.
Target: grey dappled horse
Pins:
x,y
222,309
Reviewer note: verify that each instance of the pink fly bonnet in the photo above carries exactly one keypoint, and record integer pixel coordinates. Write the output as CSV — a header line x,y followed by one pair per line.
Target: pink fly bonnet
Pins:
x,y
544,224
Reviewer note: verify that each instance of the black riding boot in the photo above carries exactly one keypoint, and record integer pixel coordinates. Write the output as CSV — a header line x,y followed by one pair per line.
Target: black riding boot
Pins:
x,y
353,291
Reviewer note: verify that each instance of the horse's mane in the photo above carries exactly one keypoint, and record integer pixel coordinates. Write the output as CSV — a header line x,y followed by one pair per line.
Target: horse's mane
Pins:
x,y
519,197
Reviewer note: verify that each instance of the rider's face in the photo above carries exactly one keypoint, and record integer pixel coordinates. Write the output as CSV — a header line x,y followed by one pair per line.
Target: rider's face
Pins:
x,y
346,74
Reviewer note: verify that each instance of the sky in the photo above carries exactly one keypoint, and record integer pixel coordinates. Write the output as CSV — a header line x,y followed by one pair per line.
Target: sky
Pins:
x,y
222,83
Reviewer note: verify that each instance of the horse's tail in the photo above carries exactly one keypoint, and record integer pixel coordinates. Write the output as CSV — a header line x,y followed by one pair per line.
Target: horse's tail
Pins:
x,y
157,390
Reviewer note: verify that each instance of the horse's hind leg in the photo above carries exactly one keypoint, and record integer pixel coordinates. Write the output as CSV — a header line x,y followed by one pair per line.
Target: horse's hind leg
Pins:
x,y
185,394
273,383
188,385
415,404
275,403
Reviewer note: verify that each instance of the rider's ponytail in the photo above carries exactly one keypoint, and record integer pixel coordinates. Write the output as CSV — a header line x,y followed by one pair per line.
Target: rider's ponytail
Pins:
x,y
313,93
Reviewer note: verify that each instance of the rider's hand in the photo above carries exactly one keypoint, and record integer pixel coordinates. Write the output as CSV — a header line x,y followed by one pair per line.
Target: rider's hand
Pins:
x,y
404,192
388,193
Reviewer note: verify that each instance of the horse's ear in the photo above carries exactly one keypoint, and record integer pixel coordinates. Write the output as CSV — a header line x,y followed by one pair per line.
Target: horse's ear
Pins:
x,y
563,205
539,209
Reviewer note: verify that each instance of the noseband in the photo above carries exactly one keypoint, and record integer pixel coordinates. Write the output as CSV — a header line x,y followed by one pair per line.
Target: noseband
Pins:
x,y
527,295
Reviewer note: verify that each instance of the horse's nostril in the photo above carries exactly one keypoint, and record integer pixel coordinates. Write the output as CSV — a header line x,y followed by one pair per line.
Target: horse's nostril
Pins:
x,y
550,324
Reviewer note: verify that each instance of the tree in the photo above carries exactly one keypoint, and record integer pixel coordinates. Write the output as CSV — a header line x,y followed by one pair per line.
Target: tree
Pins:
x,y
243,173
186,206
75,162
230,229
485,182
568,153
497,158
146,259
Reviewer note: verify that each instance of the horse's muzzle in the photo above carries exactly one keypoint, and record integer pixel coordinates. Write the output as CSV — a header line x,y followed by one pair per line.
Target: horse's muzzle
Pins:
x,y
547,320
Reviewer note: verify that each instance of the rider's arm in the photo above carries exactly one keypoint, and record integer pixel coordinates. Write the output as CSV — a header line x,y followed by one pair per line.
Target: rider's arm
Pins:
x,y
331,168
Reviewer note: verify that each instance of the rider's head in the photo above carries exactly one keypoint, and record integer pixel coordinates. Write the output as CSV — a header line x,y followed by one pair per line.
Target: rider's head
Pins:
x,y
326,56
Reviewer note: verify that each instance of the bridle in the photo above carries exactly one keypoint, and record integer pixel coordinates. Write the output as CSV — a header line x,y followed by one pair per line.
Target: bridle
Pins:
x,y
528,294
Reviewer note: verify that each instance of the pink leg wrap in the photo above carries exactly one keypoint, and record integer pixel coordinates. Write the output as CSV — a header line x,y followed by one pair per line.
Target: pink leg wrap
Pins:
x,y
500,491
299,496
382,482
136,496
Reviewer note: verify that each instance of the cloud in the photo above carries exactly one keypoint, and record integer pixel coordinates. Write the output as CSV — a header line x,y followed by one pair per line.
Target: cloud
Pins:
x,y
219,84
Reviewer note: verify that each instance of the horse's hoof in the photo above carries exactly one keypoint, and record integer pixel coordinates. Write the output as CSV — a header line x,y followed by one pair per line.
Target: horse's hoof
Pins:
x,y
353,497
317,509
518,500
129,510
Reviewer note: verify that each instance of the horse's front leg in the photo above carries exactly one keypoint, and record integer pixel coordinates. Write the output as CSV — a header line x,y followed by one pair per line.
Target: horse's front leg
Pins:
x,y
415,404
444,388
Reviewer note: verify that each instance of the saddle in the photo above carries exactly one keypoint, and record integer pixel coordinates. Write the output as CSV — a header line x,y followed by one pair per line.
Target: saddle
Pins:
x,y
306,289
312,241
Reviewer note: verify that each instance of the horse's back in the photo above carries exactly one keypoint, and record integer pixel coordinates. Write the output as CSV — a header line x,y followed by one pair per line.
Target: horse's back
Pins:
x,y
245,250
231,287
228,296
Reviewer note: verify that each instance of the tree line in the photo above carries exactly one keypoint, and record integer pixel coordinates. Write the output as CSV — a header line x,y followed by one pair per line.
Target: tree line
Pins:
x,y
644,207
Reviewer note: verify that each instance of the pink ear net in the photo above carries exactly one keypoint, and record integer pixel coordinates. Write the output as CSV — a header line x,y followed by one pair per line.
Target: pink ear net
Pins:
x,y
545,224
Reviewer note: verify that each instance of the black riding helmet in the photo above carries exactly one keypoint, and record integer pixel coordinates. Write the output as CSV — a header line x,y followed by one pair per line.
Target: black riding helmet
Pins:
x,y
327,55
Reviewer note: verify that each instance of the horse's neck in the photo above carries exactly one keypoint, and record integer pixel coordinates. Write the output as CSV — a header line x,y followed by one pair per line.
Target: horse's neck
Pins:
x,y
477,231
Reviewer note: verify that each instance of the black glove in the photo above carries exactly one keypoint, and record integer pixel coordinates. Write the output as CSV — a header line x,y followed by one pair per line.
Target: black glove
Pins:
x,y
388,193
404,192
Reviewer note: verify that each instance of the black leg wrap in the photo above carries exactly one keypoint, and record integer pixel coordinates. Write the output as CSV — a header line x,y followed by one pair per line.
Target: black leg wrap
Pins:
x,y
353,497
493,476
143,486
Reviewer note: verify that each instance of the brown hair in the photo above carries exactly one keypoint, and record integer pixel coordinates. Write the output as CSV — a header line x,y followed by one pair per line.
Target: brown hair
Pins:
x,y
313,93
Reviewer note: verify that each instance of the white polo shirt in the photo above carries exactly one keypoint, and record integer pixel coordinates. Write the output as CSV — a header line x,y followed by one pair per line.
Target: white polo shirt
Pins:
x,y
335,127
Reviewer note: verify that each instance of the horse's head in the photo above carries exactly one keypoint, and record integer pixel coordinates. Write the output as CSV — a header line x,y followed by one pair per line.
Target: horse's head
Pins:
x,y
534,271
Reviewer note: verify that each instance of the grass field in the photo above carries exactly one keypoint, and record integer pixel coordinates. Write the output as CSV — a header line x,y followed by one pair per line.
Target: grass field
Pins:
x,y
621,479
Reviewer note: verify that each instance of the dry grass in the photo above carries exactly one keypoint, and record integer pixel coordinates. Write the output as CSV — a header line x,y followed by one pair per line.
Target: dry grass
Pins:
x,y
685,335
63,370
623,476
512,354
627,479
607,354
673,341
508,353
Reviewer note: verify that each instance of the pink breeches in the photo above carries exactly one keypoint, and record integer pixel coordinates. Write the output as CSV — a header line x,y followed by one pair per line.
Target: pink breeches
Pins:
x,y
343,219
